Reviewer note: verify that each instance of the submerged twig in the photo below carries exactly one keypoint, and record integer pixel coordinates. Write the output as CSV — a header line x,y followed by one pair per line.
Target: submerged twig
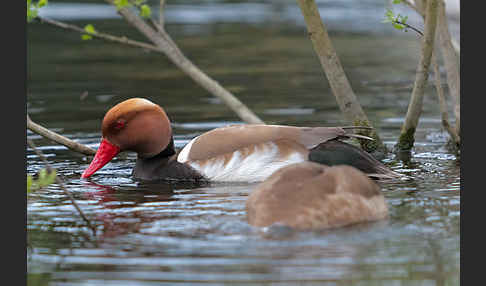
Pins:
x,y
61,184
75,146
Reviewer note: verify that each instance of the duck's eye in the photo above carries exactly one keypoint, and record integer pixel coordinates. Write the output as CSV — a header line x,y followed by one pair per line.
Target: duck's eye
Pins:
x,y
120,123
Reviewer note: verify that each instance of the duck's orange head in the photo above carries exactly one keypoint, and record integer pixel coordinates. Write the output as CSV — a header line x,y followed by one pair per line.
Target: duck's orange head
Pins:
x,y
135,124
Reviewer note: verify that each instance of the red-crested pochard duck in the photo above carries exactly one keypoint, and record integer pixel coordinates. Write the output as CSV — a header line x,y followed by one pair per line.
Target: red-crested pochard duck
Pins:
x,y
237,153
311,196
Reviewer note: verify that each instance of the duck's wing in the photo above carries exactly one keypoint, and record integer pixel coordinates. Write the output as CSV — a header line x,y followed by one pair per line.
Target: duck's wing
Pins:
x,y
228,139
335,152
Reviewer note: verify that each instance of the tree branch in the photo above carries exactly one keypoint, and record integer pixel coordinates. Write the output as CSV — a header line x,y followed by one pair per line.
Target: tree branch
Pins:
x,y
341,88
75,146
169,48
108,37
406,139
164,44
413,6
451,63
450,50
161,13
442,102
411,27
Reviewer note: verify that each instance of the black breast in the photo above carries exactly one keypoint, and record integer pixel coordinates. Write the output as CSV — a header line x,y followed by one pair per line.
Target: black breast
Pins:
x,y
165,168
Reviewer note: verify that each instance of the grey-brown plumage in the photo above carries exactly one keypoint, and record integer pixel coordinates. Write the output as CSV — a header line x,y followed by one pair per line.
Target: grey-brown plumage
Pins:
x,y
309,196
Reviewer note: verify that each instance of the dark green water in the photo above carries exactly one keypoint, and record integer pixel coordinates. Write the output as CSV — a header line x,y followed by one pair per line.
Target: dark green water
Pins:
x,y
156,234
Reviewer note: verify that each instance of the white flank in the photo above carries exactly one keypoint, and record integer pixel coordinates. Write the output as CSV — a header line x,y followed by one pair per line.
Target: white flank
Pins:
x,y
184,154
256,167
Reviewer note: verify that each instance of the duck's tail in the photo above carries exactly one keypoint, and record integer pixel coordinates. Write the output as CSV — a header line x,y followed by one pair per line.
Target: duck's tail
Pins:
x,y
335,152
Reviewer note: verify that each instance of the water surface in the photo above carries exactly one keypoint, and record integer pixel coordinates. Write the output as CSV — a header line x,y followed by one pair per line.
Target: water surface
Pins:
x,y
176,234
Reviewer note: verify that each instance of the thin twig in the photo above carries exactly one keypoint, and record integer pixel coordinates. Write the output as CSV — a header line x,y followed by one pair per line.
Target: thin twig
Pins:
x,y
61,184
161,13
44,132
409,26
413,6
442,101
122,40
451,63
166,36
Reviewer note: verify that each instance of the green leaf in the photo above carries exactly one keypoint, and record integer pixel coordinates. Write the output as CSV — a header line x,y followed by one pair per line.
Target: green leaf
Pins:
x,y
41,3
145,11
389,16
31,11
42,175
89,29
121,4
43,179
50,178
139,2
86,37
397,1
29,183
398,26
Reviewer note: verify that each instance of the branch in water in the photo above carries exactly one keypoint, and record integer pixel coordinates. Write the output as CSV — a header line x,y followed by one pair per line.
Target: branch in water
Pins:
x,y
44,132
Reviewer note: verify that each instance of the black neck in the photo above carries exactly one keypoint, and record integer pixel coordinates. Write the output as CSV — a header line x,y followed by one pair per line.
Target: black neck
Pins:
x,y
169,150
164,166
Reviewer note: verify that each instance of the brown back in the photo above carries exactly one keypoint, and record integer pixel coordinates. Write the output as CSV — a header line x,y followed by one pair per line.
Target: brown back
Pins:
x,y
228,139
314,196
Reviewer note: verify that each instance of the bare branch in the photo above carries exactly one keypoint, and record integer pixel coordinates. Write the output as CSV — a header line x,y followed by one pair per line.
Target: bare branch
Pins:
x,y
406,140
442,102
413,6
122,40
450,50
161,13
409,26
75,146
169,48
165,45
341,88
451,62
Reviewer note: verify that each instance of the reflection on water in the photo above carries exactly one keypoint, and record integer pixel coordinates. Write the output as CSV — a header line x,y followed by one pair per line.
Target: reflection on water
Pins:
x,y
164,234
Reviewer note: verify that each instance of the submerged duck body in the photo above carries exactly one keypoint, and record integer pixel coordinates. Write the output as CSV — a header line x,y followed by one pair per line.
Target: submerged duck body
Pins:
x,y
311,196
237,153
